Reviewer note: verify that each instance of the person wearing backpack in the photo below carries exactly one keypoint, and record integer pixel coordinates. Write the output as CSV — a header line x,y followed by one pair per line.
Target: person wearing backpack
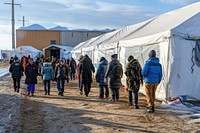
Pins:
x,y
101,71
133,80
115,73
16,69
152,73
47,73
61,73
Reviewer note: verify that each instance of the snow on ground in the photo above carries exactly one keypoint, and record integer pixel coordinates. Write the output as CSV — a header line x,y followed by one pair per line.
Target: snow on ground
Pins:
x,y
185,110
4,71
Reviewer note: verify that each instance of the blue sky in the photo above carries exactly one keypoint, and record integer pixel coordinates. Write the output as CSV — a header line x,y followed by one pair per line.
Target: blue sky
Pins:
x,y
82,14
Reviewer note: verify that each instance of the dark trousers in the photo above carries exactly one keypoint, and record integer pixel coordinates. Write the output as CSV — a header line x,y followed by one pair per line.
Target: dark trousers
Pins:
x,y
101,91
16,84
47,86
60,85
130,97
80,85
72,76
87,87
115,93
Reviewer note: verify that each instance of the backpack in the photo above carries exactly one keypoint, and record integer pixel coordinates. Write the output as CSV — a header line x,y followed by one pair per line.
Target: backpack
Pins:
x,y
135,71
118,71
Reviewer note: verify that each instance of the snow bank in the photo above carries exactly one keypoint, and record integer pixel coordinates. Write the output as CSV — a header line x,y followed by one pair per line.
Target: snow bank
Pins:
x,y
185,110
4,71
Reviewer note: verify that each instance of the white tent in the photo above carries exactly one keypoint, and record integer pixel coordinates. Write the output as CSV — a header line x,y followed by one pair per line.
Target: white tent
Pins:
x,y
26,51
174,35
60,51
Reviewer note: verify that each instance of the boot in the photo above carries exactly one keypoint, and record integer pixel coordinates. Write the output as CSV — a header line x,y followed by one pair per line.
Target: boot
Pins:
x,y
136,107
150,110
130,104
153,109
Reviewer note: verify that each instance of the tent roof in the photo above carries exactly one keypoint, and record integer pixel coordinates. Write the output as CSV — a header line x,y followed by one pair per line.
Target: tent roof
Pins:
x,y
174,20
28,48
66,48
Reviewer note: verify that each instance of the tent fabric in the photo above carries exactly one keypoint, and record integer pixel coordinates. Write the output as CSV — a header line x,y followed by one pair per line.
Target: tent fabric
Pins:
x,y
65,51
26,51
172,35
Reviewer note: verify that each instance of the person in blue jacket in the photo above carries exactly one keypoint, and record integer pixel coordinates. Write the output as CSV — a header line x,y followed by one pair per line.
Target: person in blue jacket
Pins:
x,y
101,72
47,74
152,73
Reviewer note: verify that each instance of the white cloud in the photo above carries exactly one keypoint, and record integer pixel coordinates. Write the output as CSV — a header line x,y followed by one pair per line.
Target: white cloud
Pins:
x,y
179,2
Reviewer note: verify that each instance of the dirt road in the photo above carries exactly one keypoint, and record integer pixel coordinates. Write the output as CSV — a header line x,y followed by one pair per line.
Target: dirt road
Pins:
x,y
75,113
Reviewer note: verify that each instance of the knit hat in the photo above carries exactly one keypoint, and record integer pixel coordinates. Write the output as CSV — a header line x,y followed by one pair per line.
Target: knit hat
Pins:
x,y
101,59
152,53
114,56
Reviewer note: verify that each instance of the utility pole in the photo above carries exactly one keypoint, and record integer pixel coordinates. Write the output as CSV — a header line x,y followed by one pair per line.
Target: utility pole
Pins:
x,y
13,22
23,20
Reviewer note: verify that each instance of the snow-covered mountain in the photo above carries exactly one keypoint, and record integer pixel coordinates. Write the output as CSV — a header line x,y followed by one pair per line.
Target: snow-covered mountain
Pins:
x,y
33,27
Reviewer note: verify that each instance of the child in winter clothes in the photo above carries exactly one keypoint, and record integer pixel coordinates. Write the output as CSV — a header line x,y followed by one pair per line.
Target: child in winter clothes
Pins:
x,y
31,73
61,74
47,73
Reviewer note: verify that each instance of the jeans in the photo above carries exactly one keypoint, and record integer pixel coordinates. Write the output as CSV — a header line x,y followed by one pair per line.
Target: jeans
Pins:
x,y
130,97
47,86
87,87
31,88
80,85
115,94
101,91
16,83
60,87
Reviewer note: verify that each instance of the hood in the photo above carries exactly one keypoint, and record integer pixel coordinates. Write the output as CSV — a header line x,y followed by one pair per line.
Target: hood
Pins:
x,y
47,64
153,59
104,62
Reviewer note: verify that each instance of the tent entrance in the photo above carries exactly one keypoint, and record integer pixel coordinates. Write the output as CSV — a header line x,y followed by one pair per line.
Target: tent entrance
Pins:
x,y
55,53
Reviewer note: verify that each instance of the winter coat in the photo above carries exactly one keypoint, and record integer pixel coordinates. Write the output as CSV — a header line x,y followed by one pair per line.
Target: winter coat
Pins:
x,y
101,72
72,65
134,75
47,71
86,69
31,73
16,69
113,82
61,72
152,71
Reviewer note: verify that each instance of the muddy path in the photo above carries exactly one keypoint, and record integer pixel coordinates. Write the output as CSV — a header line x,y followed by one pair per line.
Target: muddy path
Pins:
x,y
75,113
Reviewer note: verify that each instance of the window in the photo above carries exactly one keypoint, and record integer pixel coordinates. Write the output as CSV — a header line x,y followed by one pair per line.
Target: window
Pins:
x,y
53,42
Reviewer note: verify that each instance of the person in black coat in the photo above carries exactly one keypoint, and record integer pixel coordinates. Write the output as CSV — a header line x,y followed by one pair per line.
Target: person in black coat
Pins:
x,y
72,65
31,73
86,69
114,80
61,74
16,69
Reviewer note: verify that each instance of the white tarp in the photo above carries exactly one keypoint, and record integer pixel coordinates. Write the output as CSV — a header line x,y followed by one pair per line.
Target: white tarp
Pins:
x,y
173,35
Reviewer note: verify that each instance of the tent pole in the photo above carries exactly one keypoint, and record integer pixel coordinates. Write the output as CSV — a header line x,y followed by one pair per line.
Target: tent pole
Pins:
x,y
167,73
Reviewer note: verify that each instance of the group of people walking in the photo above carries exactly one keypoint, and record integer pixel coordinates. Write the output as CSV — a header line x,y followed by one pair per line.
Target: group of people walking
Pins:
x,y
108,75
151,74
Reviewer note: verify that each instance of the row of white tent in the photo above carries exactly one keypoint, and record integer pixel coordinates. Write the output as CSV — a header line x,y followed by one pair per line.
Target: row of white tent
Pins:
x,y
174,36
21,51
